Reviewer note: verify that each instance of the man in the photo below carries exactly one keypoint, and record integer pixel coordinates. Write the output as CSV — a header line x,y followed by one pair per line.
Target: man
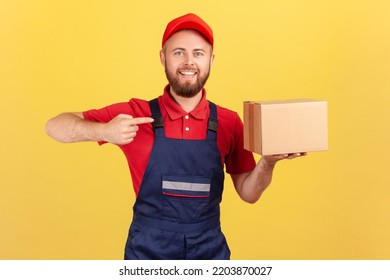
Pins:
x,y
176,146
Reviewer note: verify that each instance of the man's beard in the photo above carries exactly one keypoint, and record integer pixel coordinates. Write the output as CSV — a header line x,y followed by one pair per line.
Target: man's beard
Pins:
x,y
186,89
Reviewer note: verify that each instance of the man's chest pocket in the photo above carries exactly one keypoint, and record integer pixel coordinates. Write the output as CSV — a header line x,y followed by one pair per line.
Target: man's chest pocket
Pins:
x,y
185,198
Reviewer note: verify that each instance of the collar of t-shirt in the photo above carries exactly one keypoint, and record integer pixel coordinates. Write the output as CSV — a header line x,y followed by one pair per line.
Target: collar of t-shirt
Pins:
x,y
175,111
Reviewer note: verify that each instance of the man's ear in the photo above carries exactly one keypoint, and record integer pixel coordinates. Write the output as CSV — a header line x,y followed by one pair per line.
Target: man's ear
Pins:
x,y
212,59
162,58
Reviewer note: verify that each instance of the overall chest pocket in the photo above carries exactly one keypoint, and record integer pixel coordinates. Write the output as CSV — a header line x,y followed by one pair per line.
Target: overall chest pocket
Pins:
x,y
185,198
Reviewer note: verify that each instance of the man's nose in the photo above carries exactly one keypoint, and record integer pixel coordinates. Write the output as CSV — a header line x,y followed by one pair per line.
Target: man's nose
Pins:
x,y
189,60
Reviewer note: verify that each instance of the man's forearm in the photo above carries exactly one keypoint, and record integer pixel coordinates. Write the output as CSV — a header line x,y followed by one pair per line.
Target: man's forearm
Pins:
x,y
253,185
71,127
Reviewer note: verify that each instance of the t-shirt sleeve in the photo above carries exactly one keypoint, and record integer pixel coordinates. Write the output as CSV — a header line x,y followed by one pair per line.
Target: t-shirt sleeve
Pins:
x,y
106,114
135,107
239,160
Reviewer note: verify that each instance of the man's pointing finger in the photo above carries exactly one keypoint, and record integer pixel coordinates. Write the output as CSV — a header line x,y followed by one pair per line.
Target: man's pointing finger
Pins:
x,y
142,120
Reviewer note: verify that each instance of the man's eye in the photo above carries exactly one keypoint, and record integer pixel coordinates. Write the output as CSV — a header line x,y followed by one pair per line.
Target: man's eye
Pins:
x,y
199,54
178,53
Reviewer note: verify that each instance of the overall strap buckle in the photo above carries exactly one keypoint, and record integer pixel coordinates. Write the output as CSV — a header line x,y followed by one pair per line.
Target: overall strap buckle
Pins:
x,y
156,114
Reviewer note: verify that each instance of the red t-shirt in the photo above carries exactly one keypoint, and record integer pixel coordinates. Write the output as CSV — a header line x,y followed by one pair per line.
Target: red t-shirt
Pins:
x,y
181,125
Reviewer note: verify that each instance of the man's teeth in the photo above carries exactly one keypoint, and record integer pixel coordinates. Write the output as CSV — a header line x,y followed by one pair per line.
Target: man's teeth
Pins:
x,y
187,73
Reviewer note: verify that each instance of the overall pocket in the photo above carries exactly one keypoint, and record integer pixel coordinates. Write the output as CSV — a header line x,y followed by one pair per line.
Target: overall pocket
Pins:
x,y
185,198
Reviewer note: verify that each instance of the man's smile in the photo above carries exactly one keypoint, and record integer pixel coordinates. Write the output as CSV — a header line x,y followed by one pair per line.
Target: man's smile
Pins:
x,y
188,73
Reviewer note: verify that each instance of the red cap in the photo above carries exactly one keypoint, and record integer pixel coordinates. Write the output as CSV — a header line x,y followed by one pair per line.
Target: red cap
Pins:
x,y
188,21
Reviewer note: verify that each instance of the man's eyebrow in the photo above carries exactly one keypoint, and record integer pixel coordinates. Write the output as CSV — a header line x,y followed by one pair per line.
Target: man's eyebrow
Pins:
x,y
200,49
183,49
178,49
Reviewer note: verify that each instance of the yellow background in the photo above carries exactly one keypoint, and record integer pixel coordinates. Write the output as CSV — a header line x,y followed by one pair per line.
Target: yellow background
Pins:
x,y
73,201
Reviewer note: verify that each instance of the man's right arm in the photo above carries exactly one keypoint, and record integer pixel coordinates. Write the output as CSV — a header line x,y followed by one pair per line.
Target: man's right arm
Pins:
x,y
72,127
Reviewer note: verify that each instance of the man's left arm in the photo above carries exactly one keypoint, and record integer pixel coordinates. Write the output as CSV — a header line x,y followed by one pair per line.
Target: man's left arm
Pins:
x,y
251,185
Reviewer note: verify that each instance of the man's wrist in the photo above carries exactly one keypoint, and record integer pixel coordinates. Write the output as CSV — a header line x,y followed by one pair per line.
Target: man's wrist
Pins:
x,y
266,164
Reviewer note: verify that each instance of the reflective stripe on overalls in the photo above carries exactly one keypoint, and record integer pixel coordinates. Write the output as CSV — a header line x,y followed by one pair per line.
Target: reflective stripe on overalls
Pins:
x,y
176,214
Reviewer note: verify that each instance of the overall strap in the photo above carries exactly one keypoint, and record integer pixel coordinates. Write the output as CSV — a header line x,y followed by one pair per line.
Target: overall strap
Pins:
x,y
213,122
158,123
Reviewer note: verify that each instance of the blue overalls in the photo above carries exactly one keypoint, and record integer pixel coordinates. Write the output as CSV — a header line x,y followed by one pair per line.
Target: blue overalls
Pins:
x,y
176,213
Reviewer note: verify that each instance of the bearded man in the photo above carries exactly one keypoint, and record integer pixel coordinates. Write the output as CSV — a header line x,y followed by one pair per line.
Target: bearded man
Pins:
x,y
177,147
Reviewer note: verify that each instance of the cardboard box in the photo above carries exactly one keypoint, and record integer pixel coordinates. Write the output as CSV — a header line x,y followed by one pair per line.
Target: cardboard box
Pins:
x,y
285,126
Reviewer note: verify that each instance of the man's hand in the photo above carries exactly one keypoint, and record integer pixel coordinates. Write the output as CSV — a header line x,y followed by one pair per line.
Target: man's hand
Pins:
x,y
122,129
271,160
